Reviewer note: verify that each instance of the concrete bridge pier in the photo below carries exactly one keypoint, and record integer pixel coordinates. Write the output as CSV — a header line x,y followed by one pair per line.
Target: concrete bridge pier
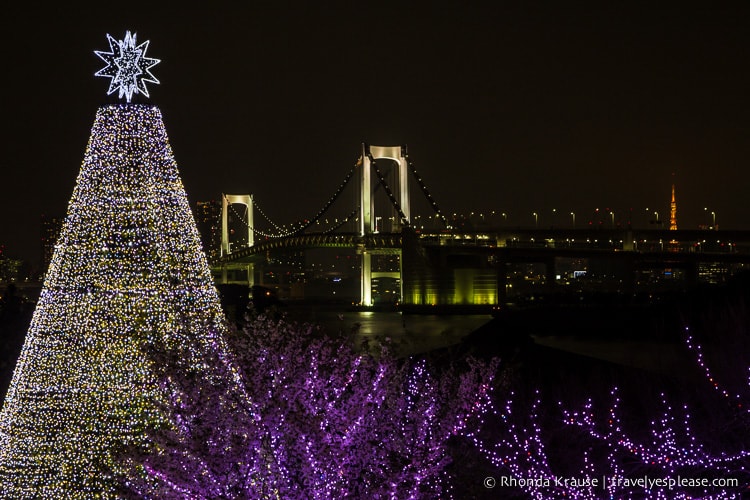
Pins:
x,y
367,274
366,281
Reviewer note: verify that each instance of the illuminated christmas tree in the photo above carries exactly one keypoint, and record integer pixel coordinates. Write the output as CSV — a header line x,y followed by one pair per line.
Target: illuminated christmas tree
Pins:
x,y
127,270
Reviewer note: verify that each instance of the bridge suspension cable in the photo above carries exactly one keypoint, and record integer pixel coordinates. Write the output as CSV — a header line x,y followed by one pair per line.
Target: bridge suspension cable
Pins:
x,y
243,219
336,194
283,232
427,194
260,210
301,226
347,219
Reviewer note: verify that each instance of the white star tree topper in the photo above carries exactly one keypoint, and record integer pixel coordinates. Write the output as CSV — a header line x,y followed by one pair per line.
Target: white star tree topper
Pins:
x,y
127,66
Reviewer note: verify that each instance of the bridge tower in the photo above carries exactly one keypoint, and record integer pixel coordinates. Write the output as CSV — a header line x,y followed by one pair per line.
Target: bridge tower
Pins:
x,y
367,207
226,247
367,222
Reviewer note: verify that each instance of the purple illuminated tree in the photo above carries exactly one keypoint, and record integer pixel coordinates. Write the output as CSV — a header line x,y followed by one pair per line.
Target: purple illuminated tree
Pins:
x,y
608,442
311,417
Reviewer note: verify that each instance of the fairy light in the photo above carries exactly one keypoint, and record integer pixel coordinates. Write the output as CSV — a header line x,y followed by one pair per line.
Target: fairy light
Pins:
x,y
666,447
427,194
295,229
127,271
613,442
697,348
299,227
331,422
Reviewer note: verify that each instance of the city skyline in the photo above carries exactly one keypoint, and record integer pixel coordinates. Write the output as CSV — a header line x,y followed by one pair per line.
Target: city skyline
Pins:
x,y
518,109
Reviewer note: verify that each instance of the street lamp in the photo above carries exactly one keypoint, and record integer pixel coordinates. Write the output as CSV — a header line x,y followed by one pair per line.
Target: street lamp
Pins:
x,y
613,218
713,218
536,219
574,219
657,217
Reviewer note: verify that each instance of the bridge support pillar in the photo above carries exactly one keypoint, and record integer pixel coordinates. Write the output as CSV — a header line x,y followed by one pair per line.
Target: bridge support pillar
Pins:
x,y
366,294
367,219
251,275
401,277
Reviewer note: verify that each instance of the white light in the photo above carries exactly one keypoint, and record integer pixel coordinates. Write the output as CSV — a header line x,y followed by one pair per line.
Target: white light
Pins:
x,y
127,66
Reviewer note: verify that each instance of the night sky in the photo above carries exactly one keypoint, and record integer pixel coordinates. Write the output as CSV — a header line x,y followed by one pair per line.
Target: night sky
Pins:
x,y
517,107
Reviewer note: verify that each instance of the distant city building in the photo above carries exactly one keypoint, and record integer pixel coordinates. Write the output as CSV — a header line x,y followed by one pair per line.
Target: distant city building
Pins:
x,y
51,227
208,220
10,269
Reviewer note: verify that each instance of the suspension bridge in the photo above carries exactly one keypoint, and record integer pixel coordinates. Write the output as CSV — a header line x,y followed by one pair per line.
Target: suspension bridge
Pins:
x,y
368,239
448,267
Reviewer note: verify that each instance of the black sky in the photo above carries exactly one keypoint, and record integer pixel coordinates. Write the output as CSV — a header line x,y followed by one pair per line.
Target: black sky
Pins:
x,y
519,107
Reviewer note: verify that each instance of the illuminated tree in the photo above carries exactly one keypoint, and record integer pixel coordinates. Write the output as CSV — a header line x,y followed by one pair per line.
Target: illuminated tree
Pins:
x,y
127,271
313,418
691,440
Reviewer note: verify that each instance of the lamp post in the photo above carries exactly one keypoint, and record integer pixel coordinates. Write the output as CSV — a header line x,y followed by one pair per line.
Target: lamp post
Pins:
x,y
656,214
713,218
536,219
574,219
613,218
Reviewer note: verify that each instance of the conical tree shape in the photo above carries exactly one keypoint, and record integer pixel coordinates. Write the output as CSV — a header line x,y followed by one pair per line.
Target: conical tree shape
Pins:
x,y
128,269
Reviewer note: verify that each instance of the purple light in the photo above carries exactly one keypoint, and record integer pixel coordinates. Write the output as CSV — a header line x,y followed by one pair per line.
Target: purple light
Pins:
x,y
606,442
309,418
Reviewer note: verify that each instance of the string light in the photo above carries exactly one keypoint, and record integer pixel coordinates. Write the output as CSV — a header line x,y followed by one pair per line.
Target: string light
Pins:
x,y
319,419
299,227
296,229
127,271
427,194
618,450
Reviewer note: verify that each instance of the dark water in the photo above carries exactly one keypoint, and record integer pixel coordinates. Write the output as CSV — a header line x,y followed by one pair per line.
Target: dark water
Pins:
x,y
409,333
